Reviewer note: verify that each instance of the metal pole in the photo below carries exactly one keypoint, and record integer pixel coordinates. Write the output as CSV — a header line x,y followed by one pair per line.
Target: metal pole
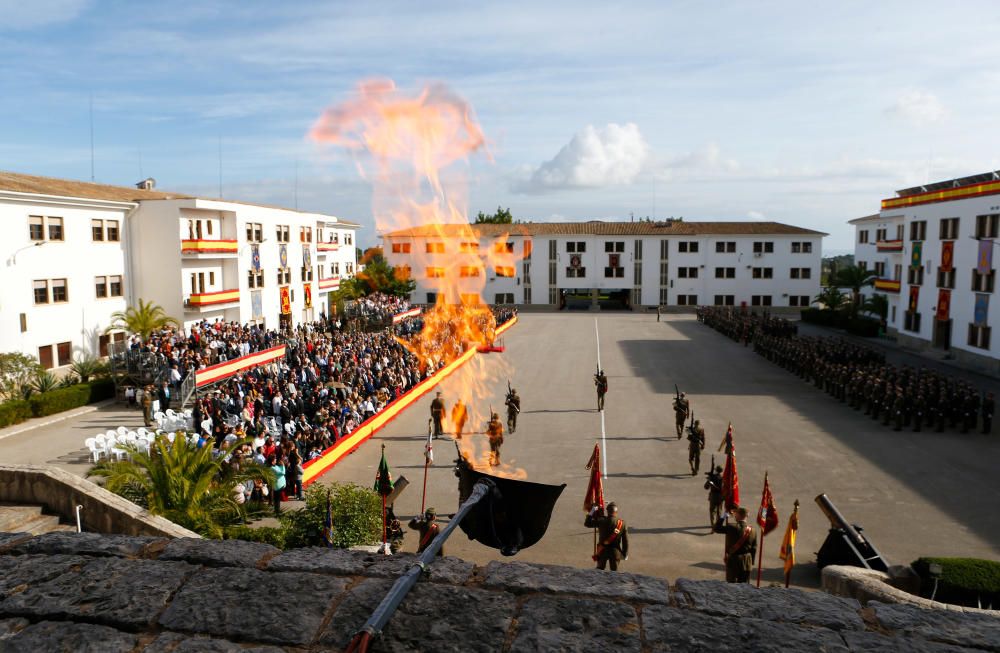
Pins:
x,y
79,524
383,613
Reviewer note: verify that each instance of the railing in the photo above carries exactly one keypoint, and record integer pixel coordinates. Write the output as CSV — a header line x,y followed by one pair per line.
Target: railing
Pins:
x,y
143,367
188,386
201,246
889,245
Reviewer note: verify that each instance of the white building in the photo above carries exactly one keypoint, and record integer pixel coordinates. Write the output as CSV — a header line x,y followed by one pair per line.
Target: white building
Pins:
x,y
642,264
932,249
77,252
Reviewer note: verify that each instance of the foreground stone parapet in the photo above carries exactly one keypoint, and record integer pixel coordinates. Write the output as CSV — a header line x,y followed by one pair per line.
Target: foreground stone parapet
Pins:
x,y
72,592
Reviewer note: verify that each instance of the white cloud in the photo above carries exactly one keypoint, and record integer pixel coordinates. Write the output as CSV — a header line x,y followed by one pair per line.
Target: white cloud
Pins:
x,y
594,158
917,107
18,14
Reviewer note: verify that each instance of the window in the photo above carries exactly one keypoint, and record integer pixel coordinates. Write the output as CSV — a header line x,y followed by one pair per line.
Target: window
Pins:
x,y
502,248
725,273
664,254
800,301
725,247
881,235
979,336
41,290
862,265
982,282
115,285
527,247
505,271
284,276
468,271
611,273
305,234
60,292
571,247
255,232
306,272
348,239
880,269
65,352
527,295
349,268
283,232
949,229
918,230
401,248
687,300
97,230
801,273
526,272
614,246
100,286
986,226
335,268
915,275
36,227
760,300
899,231
435,273
435,248
211,279
690,247
863,236
504,298
45,356
725,300
802,247
468,248
575,273
55,228
946,279
911,321
208,224
403,272
687,273
255,278
664,274
763,273
762,247
897,271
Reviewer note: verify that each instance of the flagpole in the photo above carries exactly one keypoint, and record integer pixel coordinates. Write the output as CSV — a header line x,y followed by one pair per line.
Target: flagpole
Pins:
x,y
760,549
383,508
427,462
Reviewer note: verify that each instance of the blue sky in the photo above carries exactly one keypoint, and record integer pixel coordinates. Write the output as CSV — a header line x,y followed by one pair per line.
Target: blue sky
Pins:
x,y
783,111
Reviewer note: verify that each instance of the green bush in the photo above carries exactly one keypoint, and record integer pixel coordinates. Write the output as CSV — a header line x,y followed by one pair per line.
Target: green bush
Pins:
x,y
963,581
101,389
266,534
14,412
357,517
864,327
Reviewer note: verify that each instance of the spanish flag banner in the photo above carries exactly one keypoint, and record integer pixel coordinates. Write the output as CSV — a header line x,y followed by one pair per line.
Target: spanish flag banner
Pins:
x,y
787,551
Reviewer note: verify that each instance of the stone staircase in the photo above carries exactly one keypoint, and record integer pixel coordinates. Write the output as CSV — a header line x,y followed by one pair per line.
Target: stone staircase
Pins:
x,y
29,519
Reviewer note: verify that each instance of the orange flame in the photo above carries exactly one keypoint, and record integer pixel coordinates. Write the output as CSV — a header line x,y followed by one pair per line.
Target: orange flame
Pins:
x,y
409,147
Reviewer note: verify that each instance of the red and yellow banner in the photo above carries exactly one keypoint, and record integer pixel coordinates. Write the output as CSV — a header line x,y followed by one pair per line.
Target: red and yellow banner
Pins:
x,y
946,195
947,255
944,304
399,317
212,298
887,285
307,292
286,301
327,247
330,283
209,246
889,246
914,299
229,368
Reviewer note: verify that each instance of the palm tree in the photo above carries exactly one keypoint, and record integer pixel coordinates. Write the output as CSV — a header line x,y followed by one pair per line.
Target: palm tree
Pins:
x,y
181,482
141,320
854,277
877,304
831,298
85,367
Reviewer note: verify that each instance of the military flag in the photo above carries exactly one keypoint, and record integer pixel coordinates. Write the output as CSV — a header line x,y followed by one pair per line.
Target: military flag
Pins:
x,y
428,460
595,489
730,478
383,485
767,518
787,552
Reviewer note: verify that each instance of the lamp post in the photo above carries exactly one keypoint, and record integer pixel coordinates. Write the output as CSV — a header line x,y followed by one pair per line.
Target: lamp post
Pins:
x,y
13,257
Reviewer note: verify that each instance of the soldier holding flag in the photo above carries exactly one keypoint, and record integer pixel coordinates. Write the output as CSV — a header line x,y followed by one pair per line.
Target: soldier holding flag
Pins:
x,y
612,532
741,545
383,485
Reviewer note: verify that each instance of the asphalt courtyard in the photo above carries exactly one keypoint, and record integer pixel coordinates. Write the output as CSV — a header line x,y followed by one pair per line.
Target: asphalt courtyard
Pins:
x,y
914,493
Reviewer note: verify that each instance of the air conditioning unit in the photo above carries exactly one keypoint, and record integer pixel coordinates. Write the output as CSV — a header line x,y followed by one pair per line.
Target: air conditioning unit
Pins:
x,y
758,254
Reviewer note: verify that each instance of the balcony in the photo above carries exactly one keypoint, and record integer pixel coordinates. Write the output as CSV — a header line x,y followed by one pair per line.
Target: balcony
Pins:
x,y
209,248
889,245
212,300
887,285
330,283
327,247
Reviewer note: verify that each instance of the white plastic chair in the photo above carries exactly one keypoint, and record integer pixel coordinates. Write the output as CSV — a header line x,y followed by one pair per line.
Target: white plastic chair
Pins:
x,y
91,444
171,436
171,413
142,430
111,434
119,454
122,430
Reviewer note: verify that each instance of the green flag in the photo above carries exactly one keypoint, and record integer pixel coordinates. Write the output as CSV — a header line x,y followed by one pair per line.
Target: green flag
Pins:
x,y
917,255
383,478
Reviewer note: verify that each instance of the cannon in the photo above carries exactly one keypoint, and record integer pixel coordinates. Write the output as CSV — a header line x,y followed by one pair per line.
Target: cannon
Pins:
x,y
845,544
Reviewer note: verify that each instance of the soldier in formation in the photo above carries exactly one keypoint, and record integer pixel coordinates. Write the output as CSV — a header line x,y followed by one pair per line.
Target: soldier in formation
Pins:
x,y
601,382
612,536
741,545
437,414
696,442
513,403
494,431
682,410
713,483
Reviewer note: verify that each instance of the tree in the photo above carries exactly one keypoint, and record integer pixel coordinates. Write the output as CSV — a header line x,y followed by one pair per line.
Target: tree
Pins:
x,y
17,371
181,482
356,512
854,277
502,216
378,276
831,298
141,320
877,304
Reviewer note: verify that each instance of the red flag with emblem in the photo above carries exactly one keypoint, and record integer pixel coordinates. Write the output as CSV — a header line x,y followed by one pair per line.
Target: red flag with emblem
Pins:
x,y
595,489
767,516
730,479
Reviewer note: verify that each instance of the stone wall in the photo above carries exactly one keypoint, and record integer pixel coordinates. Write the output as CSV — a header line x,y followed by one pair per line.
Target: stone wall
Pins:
x,y
61,492
86,592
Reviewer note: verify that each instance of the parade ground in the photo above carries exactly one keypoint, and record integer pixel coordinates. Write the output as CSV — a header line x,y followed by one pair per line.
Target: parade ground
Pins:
x,y
915,494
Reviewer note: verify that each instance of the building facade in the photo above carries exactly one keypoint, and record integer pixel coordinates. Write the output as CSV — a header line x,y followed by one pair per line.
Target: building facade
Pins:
x,y
642,264
931,248
78,252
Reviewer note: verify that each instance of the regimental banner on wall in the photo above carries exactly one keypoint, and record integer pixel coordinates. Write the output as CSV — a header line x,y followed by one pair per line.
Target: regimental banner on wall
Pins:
x,y
613,260
286,301
947,255
914,299
255,257
256,304
283,255
307,292
306,255
982,309
984,261
917,255
944,305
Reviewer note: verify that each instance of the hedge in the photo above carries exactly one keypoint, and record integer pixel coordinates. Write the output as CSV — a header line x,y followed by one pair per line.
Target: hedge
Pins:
x,y
267,534
963,581
14,412
859,326
55,401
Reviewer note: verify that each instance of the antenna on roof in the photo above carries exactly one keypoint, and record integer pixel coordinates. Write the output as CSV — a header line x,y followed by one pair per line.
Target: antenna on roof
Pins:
x,y
220,166
91,136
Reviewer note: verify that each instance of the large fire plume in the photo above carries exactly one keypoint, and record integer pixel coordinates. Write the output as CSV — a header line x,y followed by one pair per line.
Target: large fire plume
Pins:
x,y
415,149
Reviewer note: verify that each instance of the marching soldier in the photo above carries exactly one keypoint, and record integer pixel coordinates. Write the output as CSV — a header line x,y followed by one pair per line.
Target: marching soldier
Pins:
x,y
714,486
682,409
459,415
601,381
696,442
513,403
437,414
494,430
741,545
428,528
147,405
612,535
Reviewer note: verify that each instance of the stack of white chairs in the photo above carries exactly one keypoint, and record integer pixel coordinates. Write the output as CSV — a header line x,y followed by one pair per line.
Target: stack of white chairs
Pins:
x,y
96,447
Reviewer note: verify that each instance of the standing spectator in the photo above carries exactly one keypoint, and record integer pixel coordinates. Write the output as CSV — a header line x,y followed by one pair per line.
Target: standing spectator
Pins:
x,y
278,491
294,474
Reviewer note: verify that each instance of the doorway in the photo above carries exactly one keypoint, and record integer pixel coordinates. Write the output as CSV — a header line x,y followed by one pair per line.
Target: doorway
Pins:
x,y
942,334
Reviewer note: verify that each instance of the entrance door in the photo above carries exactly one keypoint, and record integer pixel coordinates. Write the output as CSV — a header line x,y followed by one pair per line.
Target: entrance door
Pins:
x,y
285,322
942,334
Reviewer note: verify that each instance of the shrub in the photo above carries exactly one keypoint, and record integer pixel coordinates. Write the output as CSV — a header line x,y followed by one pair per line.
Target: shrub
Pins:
x,y
963,581
357,517
266,534
101,389
864,327
14,412
56,401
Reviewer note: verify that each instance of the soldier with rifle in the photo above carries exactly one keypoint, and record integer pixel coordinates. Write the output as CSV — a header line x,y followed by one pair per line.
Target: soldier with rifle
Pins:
x,y
494,430
696,442
601,381
682,409
513,403
714,486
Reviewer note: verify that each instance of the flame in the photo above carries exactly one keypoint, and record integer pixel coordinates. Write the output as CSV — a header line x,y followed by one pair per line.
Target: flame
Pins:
x,y
411,148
